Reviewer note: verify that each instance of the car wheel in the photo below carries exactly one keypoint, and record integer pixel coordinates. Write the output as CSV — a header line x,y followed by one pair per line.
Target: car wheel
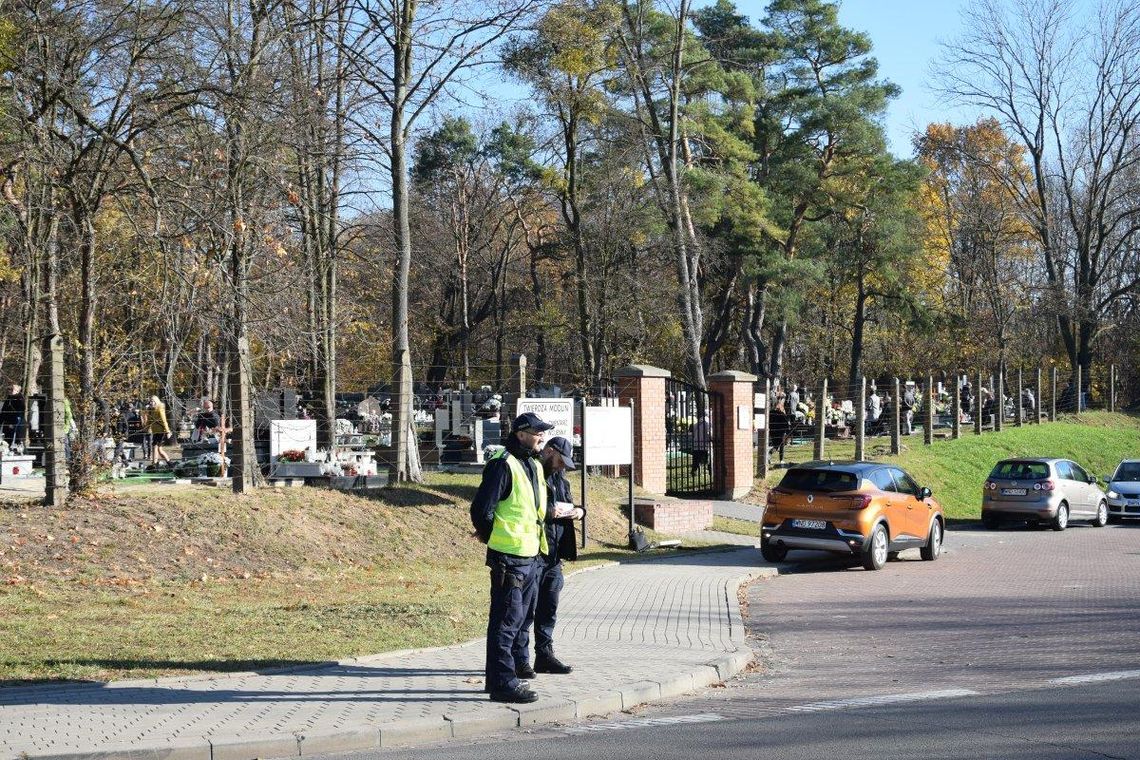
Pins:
x,y
933,548
774,552
875,550
1061,520
1101,518
989,522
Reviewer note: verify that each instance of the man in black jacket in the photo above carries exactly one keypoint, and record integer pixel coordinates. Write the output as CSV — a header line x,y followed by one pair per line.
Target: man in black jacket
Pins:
x,y
557,457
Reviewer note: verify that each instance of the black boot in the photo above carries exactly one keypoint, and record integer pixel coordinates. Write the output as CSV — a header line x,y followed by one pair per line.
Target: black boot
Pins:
x,y
518,695
548,663
524,671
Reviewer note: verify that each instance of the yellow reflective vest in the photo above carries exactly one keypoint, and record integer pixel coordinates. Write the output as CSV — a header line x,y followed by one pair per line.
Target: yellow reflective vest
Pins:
x,y
518,520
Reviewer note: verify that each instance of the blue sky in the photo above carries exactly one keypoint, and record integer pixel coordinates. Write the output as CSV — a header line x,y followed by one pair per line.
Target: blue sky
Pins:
x,y
906,38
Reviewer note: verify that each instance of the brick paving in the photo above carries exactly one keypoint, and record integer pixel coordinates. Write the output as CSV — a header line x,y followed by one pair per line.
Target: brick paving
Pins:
x,y
634,632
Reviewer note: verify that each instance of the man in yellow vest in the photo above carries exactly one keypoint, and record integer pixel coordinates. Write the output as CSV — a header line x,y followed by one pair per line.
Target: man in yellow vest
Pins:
x,y
508,513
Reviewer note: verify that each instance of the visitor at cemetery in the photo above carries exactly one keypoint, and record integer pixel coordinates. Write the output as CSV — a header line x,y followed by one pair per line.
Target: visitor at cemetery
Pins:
x,y
702,443
907,405
874,411
157,429
779,429
12,416
207,421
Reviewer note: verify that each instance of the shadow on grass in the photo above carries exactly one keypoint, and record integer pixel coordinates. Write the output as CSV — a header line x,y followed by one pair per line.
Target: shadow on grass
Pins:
x,y
409,496
464,493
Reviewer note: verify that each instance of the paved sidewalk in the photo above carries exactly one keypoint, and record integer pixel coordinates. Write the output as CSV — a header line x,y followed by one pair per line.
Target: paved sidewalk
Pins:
x,y
635,632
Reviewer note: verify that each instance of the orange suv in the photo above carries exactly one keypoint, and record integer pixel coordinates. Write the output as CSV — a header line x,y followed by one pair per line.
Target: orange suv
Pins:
x,y
866,509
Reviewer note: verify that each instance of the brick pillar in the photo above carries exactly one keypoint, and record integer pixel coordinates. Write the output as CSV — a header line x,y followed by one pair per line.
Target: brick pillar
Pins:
x,y
735,430
646,386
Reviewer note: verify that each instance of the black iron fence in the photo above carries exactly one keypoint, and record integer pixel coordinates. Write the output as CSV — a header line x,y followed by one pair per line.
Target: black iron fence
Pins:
x,y
694,443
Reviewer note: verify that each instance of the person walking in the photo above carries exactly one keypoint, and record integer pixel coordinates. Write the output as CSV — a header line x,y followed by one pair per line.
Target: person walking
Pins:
x,y
906,406
508,514
12,416
157,428
561,541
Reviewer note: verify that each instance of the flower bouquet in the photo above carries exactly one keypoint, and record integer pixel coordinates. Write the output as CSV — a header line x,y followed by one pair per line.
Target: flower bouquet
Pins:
x,y
291,455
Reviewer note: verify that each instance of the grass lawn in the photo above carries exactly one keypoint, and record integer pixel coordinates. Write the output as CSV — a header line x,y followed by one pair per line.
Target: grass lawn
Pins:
x,y
955,470
732,525
149,580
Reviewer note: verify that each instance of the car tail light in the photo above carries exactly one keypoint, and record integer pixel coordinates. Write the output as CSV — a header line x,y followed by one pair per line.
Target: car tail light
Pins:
x,y
861,501
1045,485
991,485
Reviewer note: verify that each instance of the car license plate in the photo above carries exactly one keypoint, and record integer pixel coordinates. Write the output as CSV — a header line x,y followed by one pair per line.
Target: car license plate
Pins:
x,y
1013,492
809,524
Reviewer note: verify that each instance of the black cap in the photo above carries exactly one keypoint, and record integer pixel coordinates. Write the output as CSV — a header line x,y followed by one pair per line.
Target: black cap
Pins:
x,y
530,423
565,450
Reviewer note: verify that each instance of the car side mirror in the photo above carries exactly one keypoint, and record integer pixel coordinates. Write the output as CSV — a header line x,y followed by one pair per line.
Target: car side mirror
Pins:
x,y
1092,479
924,493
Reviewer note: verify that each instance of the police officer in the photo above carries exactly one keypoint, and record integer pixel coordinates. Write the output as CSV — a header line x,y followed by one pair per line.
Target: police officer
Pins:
x,y
508,513
557,457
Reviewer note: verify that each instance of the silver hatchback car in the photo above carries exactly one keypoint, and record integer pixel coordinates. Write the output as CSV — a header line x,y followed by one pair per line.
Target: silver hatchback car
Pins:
x,y
1042,490
1124,491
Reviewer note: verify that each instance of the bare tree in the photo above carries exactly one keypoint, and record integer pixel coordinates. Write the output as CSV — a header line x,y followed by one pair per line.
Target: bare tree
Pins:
x,y
408,54
1067,88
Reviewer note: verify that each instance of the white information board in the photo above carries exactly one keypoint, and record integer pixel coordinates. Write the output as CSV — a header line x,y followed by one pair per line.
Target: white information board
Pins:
x,y
608,435
290,435
559,412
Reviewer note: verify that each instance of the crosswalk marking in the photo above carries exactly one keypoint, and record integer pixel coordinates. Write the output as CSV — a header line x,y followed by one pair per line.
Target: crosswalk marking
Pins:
x,y
882,699
1115,675
623,725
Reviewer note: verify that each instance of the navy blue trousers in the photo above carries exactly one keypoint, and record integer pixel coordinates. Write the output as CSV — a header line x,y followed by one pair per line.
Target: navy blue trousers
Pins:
x,y
513,588
544,610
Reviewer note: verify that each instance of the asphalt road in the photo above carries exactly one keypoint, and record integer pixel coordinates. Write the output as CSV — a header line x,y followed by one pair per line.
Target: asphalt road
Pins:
x,y
1015,644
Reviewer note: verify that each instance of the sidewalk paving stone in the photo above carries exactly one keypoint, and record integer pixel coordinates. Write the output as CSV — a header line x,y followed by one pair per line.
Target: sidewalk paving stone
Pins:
x,y
635,632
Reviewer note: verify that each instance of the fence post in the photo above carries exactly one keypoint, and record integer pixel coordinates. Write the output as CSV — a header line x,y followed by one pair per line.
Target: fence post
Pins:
x,y
978,406
516,386
55,460
1053,397
1080,387
1019,419
861,419
1112,387
999,401
895,412
956,407
763,437
928,412
1040,398
821,407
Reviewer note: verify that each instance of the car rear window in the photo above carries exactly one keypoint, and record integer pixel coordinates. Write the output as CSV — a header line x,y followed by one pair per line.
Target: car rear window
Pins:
x,y
1023,470
806,479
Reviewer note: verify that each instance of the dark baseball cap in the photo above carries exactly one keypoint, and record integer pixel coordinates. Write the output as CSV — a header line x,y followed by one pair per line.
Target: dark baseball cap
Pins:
x,y
565,450
531,423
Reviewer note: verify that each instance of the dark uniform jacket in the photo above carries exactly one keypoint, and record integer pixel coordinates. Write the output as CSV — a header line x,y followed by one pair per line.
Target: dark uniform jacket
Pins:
x,y
496,486
560,538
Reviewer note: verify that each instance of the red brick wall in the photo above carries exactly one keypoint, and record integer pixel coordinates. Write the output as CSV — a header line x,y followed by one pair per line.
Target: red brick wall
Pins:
x,y
738,446
648,393
673,515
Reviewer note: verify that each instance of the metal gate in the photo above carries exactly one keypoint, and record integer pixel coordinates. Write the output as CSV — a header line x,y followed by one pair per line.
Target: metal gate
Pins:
x,y
694,450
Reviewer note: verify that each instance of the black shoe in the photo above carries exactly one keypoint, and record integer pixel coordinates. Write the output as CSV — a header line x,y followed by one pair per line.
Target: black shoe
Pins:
x,y
551,664
524,672
518,695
